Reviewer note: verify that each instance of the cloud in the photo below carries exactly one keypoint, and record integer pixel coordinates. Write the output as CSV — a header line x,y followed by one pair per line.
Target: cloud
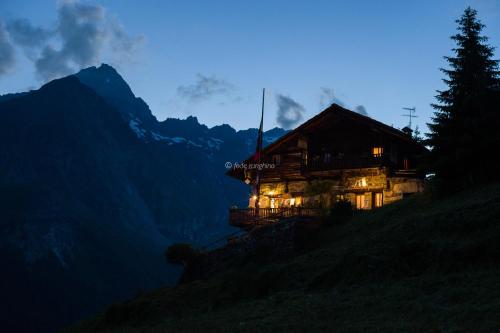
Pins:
x,y
327,97
204,88
290,112
7,53
27,36
361,110
83,36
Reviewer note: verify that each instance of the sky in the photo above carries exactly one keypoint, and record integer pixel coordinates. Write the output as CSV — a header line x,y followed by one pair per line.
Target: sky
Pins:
x,y
211,59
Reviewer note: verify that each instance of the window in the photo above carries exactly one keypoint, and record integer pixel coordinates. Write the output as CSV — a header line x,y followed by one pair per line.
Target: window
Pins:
x,y
304,157
302,143
360,201
378,200
276,159
361,182
377,151
327,158
406,164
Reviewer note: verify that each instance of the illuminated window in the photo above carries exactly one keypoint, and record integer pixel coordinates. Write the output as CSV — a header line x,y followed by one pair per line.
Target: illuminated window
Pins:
x,y
378,200
360,201
360,182
292,202
378,151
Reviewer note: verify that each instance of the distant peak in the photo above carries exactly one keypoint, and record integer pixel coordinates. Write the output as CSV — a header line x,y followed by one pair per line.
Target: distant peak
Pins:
x,y
193,119
106,67
102,69
105,77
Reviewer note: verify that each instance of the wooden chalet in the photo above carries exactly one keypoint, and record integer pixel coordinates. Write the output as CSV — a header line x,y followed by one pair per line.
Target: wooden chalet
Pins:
x,y
336,155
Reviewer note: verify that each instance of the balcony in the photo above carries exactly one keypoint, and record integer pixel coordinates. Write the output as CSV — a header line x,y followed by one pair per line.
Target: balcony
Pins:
x,y
249,217
344,162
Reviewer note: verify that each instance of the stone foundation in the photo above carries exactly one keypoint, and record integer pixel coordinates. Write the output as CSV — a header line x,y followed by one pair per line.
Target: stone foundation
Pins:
x,y
358,186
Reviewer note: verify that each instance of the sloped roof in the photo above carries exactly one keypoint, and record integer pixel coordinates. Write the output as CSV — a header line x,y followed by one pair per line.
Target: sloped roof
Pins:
x,y
339,111
342,112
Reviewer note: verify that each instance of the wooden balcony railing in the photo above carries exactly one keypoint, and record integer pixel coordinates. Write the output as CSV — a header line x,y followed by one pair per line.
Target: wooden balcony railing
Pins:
x,y
344,162
242,217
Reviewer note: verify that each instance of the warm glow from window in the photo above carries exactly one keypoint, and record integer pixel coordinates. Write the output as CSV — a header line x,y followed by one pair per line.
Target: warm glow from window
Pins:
x,y
360,201
379,200
361,182
292,201
378,151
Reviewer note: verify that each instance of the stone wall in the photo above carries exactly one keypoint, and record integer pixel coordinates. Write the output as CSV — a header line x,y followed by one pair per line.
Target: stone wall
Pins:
x,y
284,239
332,185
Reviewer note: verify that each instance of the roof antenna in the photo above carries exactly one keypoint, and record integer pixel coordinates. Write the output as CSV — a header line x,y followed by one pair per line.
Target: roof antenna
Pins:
x,y
410,115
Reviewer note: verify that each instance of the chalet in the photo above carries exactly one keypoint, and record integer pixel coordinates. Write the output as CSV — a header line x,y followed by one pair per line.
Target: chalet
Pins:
x,y
336,155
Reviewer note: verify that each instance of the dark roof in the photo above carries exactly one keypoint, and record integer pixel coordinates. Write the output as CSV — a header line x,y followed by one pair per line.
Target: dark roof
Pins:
x,y
336,109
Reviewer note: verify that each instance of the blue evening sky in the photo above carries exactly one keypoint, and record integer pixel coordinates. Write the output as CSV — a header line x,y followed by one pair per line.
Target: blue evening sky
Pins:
x,y
383,55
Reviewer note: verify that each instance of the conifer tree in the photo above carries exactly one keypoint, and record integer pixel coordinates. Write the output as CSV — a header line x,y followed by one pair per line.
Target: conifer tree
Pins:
x,y
456,128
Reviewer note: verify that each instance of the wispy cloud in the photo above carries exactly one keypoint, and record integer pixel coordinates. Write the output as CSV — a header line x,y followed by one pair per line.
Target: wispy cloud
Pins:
x,y
7,54
327,97
82,35
204,88
361,110
290,113
27,36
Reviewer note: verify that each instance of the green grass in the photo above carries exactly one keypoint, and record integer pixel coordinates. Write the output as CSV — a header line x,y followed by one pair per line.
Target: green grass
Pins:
x,y
419,265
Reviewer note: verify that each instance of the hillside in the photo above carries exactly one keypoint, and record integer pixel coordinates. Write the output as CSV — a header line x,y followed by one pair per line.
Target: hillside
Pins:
x,y
419,265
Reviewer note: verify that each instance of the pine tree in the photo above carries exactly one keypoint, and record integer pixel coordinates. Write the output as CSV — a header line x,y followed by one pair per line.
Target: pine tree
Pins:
x,y
417,136
455,129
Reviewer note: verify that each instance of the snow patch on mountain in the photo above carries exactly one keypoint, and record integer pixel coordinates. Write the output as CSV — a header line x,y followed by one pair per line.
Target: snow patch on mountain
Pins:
x,y
172,140
134,125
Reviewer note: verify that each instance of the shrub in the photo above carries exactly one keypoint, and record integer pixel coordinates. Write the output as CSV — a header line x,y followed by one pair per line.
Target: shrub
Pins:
x,y
342,208
340,211
181,254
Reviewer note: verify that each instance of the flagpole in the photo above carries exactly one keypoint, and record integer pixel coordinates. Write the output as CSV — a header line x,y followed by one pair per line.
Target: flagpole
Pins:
x,y
259,150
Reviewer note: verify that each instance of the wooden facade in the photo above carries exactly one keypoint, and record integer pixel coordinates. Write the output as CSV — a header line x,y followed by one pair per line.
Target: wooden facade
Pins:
x,y
338,154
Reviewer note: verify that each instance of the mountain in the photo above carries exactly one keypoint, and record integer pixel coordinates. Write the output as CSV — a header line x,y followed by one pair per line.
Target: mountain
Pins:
x,y
93,189
108,84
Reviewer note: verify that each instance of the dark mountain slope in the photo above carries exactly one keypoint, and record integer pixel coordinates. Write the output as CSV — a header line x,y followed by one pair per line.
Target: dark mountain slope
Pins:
x,y
72,219
419,265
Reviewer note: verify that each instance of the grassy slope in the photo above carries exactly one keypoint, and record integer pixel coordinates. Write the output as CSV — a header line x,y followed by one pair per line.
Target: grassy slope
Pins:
x,y
414,266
